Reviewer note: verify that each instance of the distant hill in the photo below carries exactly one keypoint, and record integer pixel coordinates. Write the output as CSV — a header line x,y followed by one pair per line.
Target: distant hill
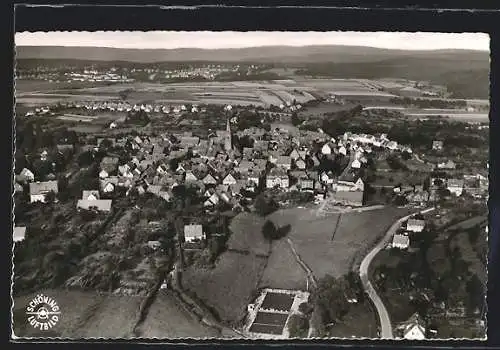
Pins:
x,y
269,54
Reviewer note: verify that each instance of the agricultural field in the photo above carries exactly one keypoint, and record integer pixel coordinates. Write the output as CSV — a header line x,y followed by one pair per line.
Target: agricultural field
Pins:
x,y
360,322
168,319
331,248
229,287
83,315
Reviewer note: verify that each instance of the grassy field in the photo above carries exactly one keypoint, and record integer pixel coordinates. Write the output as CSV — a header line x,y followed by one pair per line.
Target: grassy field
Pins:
x,y
246,234
83,315
328,253
167,319
282,270
229,287
360,322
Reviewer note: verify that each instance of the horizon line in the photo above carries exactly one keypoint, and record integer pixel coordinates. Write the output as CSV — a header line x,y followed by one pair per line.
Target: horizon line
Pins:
x,y
253,47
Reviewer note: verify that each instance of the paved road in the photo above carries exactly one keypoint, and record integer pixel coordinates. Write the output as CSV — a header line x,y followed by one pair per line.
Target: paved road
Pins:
x,y
385,321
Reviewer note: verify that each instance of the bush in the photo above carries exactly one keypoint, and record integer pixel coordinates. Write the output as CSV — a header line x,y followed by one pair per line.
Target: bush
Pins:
x,y
264,205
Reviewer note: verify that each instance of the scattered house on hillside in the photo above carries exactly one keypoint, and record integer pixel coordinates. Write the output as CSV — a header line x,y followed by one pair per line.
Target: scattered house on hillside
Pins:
x,y
212,200
437,145
414,225
350,198
90,195
448,165
400,241
18,188
455,186
342,150
19,233
97,204
108,185
26,175
39,190
414,329
193,233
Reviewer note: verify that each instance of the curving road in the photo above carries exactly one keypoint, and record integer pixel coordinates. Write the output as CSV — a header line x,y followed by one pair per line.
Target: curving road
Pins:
x,y
385,321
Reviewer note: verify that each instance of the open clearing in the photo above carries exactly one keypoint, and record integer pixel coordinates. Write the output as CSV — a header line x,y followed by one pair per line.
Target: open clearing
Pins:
x,y
230,286
246,234
334,253
83,315
168,319
282,270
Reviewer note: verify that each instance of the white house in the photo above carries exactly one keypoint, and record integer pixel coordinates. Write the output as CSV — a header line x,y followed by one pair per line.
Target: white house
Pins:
x,y
229,180
103,174
342,150
414,225
193,233
326,149
400,241
108,187
414,332
99,204
300,164
19,233
455,186
27,175
356,164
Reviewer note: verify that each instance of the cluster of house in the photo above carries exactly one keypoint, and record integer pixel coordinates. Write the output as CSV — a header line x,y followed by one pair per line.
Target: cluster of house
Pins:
x,y
118,106
401,240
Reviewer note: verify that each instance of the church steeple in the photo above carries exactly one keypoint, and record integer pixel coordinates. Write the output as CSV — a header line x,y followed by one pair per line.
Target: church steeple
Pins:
x,y
227,142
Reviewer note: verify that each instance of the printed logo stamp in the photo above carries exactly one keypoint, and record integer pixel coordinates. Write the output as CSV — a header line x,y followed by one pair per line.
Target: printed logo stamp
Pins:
x,y
43,312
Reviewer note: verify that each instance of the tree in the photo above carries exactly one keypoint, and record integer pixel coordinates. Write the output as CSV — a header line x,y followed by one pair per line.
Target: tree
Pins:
x,y
269,230
265,205
298,326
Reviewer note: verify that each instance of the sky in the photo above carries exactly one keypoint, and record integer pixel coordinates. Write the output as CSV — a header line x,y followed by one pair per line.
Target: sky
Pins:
x,y
219,40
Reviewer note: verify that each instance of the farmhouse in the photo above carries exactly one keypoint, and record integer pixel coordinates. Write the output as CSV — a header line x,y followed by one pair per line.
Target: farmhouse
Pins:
x,y
19,233
39,190
400,241
98,204
414,225
193,233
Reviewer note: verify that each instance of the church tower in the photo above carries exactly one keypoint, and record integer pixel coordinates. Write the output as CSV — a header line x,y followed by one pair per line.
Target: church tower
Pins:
x,y
227,141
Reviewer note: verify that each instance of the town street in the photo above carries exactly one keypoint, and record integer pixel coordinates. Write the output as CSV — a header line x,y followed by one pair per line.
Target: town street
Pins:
x,y
385,321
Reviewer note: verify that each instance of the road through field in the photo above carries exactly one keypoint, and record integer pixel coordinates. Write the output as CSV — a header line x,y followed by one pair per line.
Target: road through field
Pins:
x,y
385,321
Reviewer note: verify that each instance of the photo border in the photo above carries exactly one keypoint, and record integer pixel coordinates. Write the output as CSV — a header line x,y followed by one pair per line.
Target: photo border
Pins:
x,y
362,17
